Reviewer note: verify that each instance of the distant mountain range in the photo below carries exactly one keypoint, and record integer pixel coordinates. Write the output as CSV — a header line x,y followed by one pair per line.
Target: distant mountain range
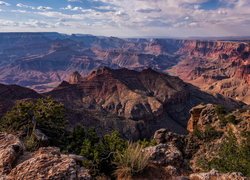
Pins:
x,y
41,61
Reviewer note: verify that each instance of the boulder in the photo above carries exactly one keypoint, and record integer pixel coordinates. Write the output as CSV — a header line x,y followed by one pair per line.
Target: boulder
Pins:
x,y
49,163
10,149
213,174
165,155
159,136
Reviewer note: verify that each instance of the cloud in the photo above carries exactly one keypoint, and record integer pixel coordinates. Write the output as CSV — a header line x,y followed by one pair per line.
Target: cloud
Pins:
x,y
32,7
25,6
2,3
44,8
144,17
76,8
148,10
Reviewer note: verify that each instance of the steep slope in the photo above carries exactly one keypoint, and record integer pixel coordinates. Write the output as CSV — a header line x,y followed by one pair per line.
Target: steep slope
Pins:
x,y
10,93
148,98
217,67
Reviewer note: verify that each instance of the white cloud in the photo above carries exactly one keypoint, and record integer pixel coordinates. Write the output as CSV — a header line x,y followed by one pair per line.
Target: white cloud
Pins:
x,y
43,8
32,7
2,3
148,17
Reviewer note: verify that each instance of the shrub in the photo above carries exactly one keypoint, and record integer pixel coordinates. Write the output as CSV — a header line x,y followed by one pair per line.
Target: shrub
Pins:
x,y
220,110
74,140
231,157
31,143
209,134
132,161
100,151
231,119
44,114
228,119
197,133
147,143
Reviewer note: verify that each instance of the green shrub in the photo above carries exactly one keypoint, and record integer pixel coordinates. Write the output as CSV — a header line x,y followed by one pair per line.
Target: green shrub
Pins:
x,y
132,161
220,110
147,143
197,133
74,140
228,119
100,151
31,143
231,157
44,114
209,134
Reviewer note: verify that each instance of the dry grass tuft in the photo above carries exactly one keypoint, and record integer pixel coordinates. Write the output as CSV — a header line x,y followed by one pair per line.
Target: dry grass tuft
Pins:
x,y
132,161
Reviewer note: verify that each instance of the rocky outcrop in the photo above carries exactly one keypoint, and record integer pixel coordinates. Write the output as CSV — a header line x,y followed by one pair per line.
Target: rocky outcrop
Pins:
x,y
217,67
45,163
201,116
168,152
188,156
213,174
10,149
75,78
49,163
148,97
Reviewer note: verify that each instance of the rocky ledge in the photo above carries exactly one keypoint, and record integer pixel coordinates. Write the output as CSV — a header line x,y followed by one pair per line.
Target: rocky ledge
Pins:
x,y
45,163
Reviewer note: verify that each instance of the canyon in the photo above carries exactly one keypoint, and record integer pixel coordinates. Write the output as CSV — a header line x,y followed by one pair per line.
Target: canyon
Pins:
x,y
135,103
41,61
185,101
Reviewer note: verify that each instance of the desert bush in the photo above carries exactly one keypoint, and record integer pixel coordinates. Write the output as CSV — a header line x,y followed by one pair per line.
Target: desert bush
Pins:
x,y
74,140
147,143
100,151
220,110
228,119
231,157
45,114
132,161
208,134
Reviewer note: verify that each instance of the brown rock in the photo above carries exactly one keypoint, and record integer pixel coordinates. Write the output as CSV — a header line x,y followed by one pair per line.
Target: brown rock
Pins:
x,y
10,149
48,163
213,174
165,155
75,78
159,136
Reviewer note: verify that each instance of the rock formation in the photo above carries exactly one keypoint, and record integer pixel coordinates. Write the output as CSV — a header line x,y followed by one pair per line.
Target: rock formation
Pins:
x,y
43,60
45,163
217,67
10,149
148,98
213,174
179,155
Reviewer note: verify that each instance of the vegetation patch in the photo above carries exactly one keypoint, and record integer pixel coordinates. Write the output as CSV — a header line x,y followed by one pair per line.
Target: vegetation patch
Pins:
x,y
231,157
132,161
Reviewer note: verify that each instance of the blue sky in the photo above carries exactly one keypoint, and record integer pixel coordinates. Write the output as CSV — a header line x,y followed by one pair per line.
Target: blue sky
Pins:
x,y
128,18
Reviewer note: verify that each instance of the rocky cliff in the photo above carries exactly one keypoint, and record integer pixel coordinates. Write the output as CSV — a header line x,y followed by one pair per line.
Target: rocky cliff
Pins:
x,y
217,67
145,100
43,60
192,156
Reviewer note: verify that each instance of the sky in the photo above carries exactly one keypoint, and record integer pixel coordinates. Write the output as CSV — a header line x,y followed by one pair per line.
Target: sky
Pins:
x,y
128,18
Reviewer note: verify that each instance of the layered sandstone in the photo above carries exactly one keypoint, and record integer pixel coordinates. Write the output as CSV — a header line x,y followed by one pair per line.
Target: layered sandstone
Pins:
x,y
145,100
